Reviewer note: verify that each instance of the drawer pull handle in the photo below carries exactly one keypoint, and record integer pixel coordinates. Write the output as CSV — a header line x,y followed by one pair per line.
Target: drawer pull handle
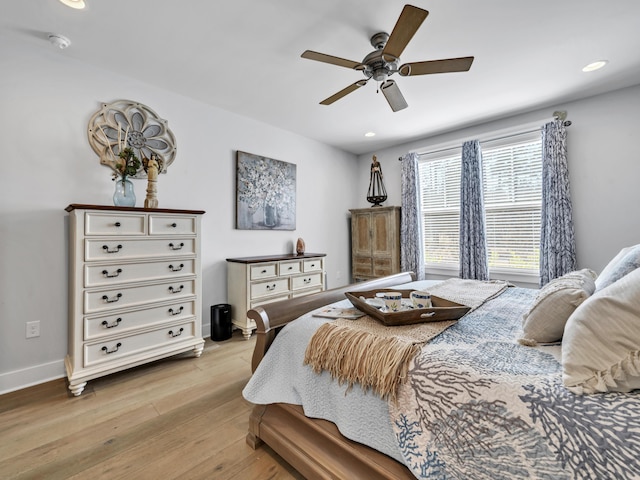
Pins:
x,y
112,275
173,269
307,280
113,350
174,225
173,314
174,290
173,247
271,287
112,300
263,271
117,224
179,332
290,268
106,249
112,325
313,265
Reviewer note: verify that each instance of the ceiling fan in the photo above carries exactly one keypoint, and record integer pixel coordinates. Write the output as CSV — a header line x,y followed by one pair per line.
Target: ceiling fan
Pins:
x,y
384,61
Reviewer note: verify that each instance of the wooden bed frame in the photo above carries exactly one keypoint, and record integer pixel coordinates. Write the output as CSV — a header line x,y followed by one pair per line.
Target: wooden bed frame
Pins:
x,y
314,447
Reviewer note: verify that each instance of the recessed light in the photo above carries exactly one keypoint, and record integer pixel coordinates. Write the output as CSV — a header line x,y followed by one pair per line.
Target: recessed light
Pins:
x,y
594,66
79,4
370,134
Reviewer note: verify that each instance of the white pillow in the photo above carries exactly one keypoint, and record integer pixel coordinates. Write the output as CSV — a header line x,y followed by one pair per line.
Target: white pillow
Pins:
x,y
627,260
601,344
555,302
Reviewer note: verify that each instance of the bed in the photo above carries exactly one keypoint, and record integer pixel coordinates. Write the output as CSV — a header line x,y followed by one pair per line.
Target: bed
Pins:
x,y
478,403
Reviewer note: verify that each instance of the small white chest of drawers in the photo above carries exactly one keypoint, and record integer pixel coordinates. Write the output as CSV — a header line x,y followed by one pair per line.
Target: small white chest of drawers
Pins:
x,y
254,281
134,288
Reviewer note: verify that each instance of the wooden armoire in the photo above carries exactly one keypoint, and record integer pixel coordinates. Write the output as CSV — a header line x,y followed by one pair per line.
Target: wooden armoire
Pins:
x,y
375,242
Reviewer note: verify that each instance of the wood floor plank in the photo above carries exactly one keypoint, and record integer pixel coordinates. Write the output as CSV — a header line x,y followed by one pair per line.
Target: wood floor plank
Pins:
x,y
182,417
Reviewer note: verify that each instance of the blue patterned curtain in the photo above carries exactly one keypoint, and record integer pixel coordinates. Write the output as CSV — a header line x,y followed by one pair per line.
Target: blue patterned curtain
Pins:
x,y
557,243
473,244
411,241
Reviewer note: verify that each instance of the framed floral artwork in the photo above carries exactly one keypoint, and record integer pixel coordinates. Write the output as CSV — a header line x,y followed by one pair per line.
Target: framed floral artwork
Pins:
x,y
265,193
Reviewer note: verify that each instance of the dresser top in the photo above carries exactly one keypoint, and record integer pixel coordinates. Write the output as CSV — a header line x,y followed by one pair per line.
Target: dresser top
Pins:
x,y
275,258
79,206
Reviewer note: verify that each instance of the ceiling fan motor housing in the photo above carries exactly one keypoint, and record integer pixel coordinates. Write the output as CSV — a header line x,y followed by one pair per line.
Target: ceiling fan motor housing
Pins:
x,y
378,65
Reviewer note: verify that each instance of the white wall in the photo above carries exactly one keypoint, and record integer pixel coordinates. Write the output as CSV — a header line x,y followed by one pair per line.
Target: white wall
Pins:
x,y
46,102
604,168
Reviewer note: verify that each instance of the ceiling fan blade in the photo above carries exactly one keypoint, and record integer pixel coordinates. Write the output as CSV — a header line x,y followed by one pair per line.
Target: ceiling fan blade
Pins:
x,y
322,57
393,95
406,27
461,64
343,92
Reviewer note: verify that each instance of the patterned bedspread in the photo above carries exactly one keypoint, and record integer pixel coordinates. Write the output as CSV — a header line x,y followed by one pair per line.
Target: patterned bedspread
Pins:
x,y
480,406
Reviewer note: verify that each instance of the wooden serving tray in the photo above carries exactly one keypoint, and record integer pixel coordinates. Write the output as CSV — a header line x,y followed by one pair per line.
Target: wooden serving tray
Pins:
x,y
442,309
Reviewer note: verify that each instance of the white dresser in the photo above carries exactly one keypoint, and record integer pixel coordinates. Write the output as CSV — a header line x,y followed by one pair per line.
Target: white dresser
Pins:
x,y
134,288
254,281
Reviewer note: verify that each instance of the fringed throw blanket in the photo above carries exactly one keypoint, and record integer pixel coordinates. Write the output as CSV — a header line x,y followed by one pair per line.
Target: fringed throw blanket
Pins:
x,y
378,357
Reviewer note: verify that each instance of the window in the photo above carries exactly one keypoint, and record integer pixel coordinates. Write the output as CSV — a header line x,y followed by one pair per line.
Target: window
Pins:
x,y
440,205
512,188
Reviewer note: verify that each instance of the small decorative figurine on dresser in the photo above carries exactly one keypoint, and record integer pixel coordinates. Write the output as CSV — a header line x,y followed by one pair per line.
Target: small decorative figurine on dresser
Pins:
x,y
376,193
300,246
152,167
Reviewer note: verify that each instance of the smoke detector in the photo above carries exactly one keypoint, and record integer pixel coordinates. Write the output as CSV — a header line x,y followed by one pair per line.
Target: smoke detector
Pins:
x,y
59,41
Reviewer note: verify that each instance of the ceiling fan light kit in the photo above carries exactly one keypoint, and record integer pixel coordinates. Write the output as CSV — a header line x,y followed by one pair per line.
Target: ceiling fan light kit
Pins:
x,y
384,61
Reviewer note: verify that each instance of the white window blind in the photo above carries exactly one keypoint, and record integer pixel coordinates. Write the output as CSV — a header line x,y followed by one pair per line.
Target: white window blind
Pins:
x,y
512,183
440,204
512,188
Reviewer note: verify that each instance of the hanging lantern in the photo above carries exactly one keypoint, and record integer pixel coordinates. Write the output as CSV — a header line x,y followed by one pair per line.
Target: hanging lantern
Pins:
x,y
376,193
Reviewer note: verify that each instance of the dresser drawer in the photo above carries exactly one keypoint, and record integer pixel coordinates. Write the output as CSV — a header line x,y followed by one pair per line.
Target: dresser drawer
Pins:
x,y
312,265
264,301
289,268
133,249
170,225
99,275
302,293
263,270
130,296
96,327
306,281
114,224
110,350
271,287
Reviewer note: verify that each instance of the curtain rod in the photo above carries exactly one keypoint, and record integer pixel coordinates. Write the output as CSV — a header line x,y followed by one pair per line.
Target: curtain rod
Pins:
x,y
560,115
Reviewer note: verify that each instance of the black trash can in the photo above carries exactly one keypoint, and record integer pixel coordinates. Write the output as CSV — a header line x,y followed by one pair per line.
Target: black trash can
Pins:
x,y
221,322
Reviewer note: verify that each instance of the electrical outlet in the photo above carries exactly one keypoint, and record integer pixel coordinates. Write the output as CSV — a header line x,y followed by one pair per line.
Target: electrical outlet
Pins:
x,y
33,329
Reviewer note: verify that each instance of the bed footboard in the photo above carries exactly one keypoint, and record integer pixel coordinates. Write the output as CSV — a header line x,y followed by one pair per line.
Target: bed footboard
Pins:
x,y
315,447
273,316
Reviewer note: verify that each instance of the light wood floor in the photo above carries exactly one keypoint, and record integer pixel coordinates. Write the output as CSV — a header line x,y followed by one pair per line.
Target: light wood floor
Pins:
x,y
183,417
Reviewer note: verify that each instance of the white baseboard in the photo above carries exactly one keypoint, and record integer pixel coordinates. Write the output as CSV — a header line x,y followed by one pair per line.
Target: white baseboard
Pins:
x,y
27,377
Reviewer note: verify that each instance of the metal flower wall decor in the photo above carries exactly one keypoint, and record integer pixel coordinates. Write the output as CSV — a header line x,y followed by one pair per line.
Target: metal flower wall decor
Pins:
x,y
132,125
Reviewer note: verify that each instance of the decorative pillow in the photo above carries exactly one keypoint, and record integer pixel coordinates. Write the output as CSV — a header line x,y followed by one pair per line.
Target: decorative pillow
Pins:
x,y
555,302
627,260
601,344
